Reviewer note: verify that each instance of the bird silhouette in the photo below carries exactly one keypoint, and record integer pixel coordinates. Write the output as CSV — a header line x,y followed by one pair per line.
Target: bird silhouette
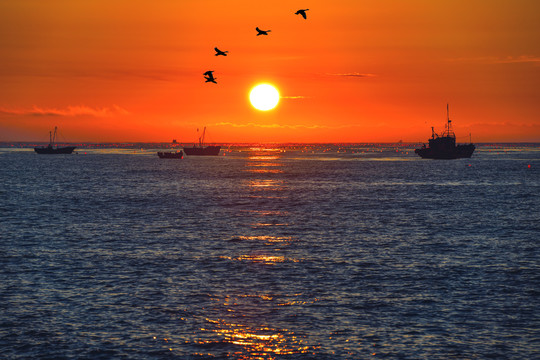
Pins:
x,y
262,32
219,52
209,76
302,12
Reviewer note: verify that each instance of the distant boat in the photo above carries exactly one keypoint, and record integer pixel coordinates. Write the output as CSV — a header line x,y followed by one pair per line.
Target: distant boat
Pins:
x,y
444,146
51,149
171,154
201,149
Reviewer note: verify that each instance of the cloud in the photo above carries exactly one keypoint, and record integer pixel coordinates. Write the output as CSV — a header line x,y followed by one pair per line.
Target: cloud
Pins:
x,y
290,127
70,111
353,74
501,60
519,59
271,126
294,97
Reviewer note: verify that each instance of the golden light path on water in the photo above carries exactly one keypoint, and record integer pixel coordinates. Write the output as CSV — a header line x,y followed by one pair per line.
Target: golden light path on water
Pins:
x,y
259,341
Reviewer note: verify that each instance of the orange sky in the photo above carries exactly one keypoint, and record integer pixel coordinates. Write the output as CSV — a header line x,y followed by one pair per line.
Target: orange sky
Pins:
x,y
354,71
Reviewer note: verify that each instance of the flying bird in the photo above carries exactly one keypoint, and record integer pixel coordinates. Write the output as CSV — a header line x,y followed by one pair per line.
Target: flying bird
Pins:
x,y
219,52
302,12
262,32
209,76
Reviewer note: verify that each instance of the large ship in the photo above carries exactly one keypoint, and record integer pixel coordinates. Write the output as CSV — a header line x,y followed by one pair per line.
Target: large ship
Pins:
x,y
200,149
51,149
444,146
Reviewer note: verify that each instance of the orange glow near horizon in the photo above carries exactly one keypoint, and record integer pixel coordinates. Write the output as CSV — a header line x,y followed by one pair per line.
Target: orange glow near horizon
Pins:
x,y
357,71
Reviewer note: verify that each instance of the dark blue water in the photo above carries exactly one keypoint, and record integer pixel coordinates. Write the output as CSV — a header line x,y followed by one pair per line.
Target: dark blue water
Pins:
x,y
319,252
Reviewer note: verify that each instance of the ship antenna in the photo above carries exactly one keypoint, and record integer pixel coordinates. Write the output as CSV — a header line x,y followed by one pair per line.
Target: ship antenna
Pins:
x,y
448,119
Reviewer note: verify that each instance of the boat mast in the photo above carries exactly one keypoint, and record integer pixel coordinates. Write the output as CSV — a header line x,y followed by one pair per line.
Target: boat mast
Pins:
x,y
54,136
449,131
447,120
201,139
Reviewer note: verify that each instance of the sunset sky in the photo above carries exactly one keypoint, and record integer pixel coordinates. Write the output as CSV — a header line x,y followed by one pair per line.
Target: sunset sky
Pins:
x,y
354,71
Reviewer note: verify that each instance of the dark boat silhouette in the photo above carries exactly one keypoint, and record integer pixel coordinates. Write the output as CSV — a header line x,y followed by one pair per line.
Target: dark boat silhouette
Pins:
x,y
51,149
171,154
444,146
200,149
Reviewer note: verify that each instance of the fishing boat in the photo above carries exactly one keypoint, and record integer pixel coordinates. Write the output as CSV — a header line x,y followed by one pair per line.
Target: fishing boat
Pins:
x,y
171,154
444,146
200,149
51,148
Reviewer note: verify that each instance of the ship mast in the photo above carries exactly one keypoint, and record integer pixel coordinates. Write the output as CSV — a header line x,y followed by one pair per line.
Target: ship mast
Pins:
x,y
448,119
201,139
449,131
54,136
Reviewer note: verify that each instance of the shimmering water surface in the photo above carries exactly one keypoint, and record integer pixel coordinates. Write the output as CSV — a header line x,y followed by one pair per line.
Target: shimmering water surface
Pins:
x,y
270,252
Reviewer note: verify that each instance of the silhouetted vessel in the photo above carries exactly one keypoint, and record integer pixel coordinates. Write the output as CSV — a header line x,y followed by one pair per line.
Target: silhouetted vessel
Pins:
x,y
51,149
444,146
171,154
201,149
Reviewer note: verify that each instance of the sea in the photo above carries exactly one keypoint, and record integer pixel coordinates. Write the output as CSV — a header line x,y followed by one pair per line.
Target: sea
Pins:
x,y
269,251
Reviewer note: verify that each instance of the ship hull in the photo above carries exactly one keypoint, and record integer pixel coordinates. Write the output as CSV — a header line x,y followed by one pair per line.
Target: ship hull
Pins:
x,y
58,150
203,151
457,152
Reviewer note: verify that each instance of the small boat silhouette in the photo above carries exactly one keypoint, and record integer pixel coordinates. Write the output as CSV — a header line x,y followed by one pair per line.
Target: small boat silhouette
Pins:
x,y
201,149
171,154
51,149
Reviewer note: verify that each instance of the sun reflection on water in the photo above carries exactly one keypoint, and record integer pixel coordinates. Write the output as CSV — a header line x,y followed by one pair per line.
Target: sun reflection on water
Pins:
x,y
264,161
265,238
263,158
261,259
244,326
265,183
261,342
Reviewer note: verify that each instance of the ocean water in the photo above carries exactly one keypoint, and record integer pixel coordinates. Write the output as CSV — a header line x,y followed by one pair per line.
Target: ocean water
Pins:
x,y
270,252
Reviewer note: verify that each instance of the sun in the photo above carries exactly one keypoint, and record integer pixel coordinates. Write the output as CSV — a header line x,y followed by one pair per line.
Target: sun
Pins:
x,y
264,97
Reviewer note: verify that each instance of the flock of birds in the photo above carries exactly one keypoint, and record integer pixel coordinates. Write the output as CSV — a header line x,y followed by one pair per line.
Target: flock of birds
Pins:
x,y
209,75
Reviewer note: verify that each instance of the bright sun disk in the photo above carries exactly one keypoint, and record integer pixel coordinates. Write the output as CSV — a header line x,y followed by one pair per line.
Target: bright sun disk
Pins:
x,y
264,97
